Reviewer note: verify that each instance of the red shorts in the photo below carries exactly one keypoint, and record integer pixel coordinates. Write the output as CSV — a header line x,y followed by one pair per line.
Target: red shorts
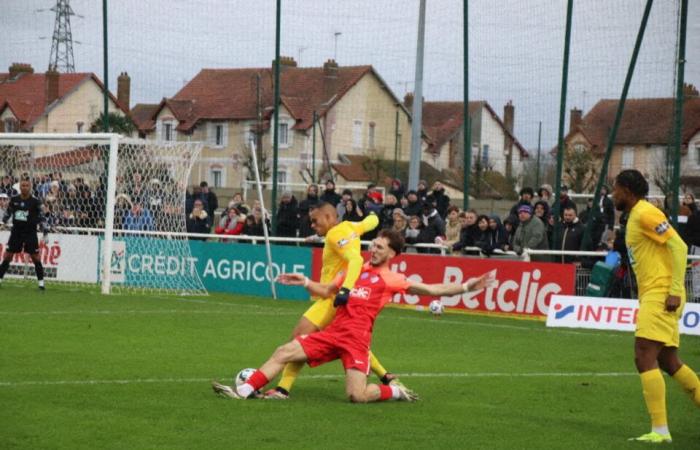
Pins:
x,y
323,347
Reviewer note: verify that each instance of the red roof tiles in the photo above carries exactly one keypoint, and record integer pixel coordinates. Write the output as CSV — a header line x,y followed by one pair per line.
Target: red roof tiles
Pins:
x,y
25,95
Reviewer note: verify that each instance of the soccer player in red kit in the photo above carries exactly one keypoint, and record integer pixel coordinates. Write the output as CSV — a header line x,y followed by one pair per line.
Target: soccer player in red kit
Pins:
x,y
349,335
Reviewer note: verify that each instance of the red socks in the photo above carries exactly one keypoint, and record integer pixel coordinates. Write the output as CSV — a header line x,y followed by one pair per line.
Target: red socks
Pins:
x,y
385,392
257,380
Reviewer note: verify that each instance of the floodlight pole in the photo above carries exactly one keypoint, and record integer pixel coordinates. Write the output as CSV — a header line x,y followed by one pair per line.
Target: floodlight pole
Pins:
x,y
416,125
105,95
467,125
276,121
679,112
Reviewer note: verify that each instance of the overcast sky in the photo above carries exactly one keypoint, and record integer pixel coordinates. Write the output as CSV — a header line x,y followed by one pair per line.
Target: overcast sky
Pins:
x,y
515,49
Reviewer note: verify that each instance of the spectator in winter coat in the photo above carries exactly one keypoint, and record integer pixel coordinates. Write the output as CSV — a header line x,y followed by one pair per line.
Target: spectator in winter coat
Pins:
x,y
691,234
231,223
499,237
414,205
287,216
510,235
397,189
422,190
340,208
531,234
565,201
305,207
452,226
329,195
254,223
526,195
211,202
483,234
199,220
400,221
353,212
412,233
386,214
571,236
545,194
433,231
442,201
469,232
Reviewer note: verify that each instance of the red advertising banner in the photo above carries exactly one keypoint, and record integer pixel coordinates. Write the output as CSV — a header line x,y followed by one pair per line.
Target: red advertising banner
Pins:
x,y
522,288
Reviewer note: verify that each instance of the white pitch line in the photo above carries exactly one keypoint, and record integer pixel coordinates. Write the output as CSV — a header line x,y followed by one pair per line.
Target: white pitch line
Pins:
x,y
327,376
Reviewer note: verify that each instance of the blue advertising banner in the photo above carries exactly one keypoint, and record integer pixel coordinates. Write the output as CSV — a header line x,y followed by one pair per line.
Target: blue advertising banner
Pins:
x,y
221,266
242,268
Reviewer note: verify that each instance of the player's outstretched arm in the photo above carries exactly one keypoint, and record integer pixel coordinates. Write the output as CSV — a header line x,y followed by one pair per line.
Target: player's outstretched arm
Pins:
x,y
439,289
314,288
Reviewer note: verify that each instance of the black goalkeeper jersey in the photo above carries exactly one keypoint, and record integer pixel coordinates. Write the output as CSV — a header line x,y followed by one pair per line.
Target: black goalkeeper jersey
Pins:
x,y
26,214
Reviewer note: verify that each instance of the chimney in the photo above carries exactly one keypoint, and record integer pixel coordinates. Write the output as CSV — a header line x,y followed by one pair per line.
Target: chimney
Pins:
x,y
508,122
124,90
330,79
17,68
690,90
285,61
51,85
408,101
575,119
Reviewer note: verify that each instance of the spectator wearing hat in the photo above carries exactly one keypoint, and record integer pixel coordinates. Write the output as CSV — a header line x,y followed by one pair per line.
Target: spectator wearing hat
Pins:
x,y
442,200
526,195
340,208
433,231
414,205
452,226
287,216
565,201
531,234
545,194
397,189
329,195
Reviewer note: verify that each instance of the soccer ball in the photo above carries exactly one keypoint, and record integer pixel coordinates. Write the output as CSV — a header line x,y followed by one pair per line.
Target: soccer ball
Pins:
x,y
436,307
242,376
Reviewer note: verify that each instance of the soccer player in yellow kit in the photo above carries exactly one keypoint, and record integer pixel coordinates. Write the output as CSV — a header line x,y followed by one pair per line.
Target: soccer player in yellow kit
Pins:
x,y
658,256
341,252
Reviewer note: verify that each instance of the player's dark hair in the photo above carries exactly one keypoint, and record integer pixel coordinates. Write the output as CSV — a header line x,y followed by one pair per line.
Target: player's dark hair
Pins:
x,y
634,181
322,205
395,239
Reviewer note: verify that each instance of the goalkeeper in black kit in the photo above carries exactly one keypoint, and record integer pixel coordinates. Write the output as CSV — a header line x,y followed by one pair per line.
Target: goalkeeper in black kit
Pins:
x,y
26,213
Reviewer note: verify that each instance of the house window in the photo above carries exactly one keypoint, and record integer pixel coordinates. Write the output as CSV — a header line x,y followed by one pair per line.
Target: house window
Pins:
x,y
697,154
167,131
219,135
282,179
357,134
217,177
79,126
284,134
485,156
9,126
370,137
628,158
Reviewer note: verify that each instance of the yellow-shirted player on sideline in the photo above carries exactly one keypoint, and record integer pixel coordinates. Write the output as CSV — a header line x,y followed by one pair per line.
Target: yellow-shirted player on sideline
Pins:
x,y
341,252
658,256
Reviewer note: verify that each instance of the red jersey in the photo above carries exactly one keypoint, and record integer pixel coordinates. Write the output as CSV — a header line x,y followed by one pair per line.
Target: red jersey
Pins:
x,y
373,289
349,336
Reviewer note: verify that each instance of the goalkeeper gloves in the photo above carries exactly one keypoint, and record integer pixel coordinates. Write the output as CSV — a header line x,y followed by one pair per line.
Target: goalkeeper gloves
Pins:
x,y
341,298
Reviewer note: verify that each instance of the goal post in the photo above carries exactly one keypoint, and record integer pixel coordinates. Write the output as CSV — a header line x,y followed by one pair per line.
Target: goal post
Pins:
x,y
115,207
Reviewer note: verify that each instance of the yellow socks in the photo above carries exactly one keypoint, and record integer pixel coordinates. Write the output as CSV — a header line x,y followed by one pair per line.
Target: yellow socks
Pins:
x,y
654,390
376,366
289,375
688,379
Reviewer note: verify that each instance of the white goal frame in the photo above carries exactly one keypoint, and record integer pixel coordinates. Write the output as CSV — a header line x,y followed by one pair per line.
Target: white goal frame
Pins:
x,y
110,140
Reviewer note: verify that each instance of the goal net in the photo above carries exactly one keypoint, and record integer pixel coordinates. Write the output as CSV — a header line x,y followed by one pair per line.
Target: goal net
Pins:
x,y
115,208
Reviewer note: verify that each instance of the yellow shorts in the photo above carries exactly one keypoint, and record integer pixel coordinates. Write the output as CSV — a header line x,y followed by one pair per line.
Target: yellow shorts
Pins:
x,y
321,313
657,324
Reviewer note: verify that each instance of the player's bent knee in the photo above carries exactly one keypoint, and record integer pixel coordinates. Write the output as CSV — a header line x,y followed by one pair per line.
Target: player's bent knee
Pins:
x,y
357,397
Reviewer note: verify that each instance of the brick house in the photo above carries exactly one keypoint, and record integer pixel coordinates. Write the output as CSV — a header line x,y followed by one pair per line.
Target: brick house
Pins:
x,y
226,108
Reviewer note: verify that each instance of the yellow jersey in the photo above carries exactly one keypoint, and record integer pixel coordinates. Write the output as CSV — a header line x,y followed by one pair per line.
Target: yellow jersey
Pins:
x,y
341,251
645,237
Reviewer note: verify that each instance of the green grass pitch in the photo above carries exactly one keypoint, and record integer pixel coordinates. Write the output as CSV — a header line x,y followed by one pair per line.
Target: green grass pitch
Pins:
x,y
81,370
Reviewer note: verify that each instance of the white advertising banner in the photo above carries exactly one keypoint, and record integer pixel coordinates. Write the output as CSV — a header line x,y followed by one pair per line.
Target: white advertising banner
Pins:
x,y
66,257
609,314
